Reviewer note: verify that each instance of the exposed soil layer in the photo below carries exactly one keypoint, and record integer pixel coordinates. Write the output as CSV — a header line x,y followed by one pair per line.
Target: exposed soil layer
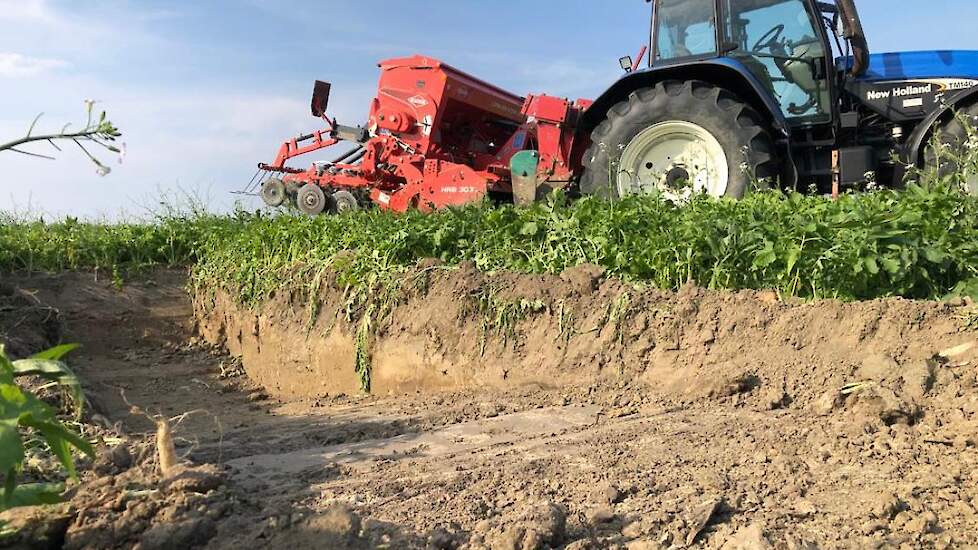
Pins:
x,y
462,329
526,412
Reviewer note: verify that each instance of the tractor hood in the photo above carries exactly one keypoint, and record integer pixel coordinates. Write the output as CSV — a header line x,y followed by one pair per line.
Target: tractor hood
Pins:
x,y
910,85
921,65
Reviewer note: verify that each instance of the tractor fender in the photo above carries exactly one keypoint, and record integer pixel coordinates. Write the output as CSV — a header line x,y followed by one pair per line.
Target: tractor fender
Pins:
x,y
724,72
912,149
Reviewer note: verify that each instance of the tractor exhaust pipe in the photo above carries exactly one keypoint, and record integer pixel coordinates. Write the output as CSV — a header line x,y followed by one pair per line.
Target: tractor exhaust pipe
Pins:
x,y
854,33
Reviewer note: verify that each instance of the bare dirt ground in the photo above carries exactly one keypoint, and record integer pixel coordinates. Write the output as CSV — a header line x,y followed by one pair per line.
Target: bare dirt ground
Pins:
x,y
693,419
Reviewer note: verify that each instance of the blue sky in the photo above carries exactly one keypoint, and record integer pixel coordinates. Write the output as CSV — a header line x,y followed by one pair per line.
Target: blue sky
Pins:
x,y
203,90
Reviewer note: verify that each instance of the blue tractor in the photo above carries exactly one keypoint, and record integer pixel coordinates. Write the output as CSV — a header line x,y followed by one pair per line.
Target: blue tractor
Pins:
x,y
738,92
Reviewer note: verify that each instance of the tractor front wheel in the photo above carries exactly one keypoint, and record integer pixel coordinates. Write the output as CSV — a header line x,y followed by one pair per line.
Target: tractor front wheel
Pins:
x,y
679,139
311,200
951,151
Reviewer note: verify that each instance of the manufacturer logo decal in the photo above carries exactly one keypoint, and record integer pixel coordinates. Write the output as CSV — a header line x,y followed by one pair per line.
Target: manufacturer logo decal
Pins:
x,y
418,101
913,90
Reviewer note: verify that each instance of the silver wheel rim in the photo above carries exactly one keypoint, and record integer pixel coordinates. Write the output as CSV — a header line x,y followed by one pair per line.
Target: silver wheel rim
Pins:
x,y
310,201
675,158
344,202
273,193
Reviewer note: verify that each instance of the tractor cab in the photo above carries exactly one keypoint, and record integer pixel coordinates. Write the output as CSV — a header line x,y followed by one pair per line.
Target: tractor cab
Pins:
x,y
784,44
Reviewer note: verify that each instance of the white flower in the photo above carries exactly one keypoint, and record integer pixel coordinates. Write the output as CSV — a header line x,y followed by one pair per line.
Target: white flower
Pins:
x,y
103,170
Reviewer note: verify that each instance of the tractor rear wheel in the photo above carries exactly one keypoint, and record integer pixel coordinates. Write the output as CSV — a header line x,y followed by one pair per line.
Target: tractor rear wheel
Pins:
x,y
344,201
273,192
311,200
951,152
679,138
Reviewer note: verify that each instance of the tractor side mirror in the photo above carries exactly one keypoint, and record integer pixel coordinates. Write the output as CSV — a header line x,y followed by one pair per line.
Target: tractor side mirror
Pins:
x,y
320,98
626,63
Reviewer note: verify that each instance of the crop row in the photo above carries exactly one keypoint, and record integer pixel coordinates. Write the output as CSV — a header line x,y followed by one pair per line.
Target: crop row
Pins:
x,y
919,243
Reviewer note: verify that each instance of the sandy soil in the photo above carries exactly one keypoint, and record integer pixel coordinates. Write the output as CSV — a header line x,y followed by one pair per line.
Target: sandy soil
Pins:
x,y
697,419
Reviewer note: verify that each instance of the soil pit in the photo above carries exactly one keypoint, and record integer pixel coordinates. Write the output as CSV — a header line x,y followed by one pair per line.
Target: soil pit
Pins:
x,y
513,411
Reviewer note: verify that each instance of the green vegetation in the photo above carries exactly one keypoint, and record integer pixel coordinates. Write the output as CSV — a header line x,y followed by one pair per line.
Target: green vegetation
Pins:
x,y
919,243
23,416
37,245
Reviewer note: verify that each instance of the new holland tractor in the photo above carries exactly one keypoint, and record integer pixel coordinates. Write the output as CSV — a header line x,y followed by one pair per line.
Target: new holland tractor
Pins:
x,y
733,93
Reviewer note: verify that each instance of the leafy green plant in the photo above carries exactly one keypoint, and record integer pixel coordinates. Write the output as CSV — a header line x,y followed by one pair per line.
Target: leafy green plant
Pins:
x,y
21,411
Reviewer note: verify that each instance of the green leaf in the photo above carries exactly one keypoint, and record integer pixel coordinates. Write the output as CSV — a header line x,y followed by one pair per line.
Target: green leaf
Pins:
x,y
871,266
890,265
766,256
11,447
60,440
6,368
34,494
967,288
14,403
56,353
55,371
934,256
529,229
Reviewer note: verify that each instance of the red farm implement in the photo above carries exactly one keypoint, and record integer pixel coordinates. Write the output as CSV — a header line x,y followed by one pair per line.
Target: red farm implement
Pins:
x,y
435,137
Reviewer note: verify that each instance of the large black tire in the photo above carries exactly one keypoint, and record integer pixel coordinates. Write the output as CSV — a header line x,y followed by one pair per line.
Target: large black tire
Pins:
x,y
953,138
739,129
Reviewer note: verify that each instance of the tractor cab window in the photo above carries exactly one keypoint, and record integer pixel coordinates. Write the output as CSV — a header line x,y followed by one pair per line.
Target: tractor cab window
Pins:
x,y
685,28
777,41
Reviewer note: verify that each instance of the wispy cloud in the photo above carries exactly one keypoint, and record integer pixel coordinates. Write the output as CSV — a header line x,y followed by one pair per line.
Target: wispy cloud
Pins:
x,y
15,65
24,10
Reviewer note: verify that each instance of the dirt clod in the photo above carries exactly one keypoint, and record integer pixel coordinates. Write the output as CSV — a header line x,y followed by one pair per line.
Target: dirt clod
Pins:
x,y
700,517
534,527
606,493
34,527
113,460
602,513
887,506
177,536
923,524
200,479
583,279
751,537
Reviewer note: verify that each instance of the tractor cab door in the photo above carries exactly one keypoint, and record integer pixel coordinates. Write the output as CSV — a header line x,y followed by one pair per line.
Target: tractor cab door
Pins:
x,y
782,43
